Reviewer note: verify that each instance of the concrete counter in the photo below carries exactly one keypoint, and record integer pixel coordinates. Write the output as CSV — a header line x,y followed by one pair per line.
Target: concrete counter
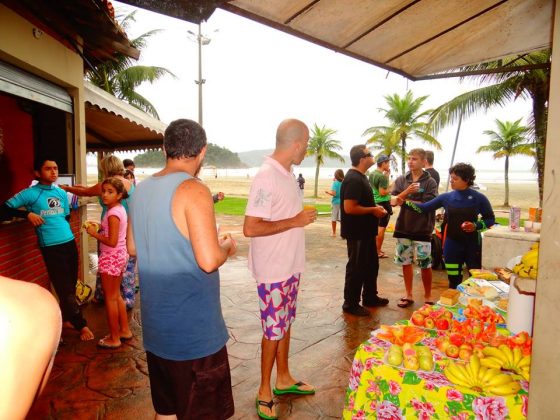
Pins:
x,y
500,244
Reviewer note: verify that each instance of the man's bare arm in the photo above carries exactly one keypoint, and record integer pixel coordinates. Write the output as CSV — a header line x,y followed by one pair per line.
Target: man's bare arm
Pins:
x,y
257,226
193,214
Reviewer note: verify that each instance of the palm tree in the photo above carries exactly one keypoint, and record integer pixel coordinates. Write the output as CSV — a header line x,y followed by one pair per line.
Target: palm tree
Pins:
x,y
120,77
509,140
322,146
529,84
384,142
405,120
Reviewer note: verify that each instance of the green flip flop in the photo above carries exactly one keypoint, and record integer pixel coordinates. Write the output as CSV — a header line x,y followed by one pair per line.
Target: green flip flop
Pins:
x,y
268,404
294,389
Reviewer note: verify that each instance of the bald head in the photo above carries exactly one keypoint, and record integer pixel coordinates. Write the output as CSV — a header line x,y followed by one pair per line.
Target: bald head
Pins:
x,y
290,131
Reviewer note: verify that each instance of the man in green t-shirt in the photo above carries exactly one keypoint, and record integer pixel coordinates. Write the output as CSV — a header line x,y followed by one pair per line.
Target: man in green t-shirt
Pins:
x,y
379,180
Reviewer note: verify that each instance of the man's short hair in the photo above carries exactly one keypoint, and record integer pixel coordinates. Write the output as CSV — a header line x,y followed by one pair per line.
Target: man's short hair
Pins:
x,y
421,153
464,171
128,162
356,153
183,138
430,157
40,161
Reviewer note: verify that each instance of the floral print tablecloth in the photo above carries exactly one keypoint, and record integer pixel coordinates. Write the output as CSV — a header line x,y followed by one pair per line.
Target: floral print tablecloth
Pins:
x,y
379,391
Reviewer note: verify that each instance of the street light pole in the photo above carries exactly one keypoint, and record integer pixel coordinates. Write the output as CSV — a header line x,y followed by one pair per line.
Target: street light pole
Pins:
x,y
200,80
200,40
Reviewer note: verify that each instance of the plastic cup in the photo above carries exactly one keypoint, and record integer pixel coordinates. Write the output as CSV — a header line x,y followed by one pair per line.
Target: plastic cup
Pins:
x,y
309,204
536,227
528,225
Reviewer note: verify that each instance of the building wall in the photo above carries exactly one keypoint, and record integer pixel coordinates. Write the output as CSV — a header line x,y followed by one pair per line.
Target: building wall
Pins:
x,y
48,58
20,257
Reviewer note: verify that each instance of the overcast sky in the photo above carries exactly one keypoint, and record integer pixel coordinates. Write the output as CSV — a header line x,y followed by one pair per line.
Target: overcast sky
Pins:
x,y
257,76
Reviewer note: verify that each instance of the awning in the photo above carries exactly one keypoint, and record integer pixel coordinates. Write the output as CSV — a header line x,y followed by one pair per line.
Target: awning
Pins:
x,y
414,38
113,125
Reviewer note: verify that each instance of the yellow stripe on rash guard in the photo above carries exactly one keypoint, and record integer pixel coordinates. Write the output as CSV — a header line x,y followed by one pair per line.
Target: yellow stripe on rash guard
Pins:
x,y
452,269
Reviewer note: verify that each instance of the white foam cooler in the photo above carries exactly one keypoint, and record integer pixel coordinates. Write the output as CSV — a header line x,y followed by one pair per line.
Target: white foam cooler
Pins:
x,y
520,308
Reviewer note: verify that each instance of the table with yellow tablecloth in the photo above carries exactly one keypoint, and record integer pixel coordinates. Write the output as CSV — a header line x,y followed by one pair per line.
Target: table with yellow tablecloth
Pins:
x,y
378,390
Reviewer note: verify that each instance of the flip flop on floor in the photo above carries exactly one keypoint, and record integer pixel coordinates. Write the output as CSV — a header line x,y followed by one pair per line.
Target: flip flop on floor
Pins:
x,y
130,337
429,302
294,389
382,255
268,404
405,303
104,345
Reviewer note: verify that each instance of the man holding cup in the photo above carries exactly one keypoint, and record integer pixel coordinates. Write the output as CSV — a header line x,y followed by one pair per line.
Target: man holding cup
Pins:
x,y
274,220
412,230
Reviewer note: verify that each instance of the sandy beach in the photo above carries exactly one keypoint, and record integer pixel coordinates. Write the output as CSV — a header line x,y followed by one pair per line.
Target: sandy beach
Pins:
x,y
523,195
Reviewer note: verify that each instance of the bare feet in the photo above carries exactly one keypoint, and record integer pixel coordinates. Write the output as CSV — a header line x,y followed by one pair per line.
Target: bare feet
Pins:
x,y
86,334
67,324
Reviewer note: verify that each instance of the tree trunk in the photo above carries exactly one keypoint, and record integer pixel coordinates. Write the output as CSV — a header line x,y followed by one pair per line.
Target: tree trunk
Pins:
x,y
506,179
403,154
540,96
316,178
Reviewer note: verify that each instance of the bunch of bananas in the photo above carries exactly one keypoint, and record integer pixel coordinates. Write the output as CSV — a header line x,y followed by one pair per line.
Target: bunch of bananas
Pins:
x,y
480,378
528,266
503,357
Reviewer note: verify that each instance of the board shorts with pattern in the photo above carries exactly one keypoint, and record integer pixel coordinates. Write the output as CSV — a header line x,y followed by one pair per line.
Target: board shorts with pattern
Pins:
x,y
113,263
278,303
406,248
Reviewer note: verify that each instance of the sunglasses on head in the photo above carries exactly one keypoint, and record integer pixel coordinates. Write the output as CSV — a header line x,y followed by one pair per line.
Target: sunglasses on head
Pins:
x,y
366,155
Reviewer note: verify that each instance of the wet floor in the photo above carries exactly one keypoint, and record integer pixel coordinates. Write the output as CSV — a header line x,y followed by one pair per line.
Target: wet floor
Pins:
x,y
89,383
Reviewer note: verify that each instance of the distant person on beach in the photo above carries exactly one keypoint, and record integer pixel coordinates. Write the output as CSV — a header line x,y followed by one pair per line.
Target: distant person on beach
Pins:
x,y
412,230
112,166
463,205
113,259
274,220
30,327
46,208
429,166
335,201
379,180
359,219
301,182
179,253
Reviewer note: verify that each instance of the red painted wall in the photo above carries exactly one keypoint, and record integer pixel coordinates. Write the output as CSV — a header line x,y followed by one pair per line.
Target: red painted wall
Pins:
x,y
20,257
16,163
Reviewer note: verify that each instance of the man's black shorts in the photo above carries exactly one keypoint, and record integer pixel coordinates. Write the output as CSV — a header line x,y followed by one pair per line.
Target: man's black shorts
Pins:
x,y
192,389
384,221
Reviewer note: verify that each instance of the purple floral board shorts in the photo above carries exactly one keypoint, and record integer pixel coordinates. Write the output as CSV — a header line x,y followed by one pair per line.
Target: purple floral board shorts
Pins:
x,y
278,302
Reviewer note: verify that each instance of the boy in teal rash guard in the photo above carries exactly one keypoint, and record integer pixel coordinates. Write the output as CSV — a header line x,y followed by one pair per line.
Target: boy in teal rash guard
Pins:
x,y
47,209
462,207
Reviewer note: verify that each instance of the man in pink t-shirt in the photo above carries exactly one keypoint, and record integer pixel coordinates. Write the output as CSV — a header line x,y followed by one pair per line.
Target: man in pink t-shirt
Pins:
x,y
274,220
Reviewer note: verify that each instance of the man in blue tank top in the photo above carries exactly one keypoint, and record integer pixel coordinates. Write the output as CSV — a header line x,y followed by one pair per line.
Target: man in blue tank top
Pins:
x,y
172,231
